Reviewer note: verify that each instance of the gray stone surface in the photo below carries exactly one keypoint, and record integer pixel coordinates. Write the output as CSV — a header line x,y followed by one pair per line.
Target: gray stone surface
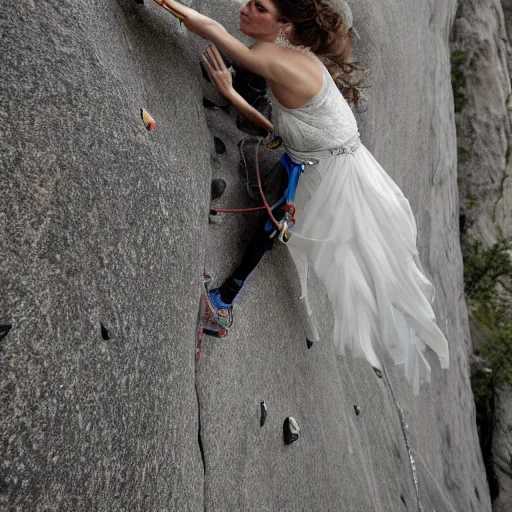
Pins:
x,y
484,134
101,221
502,443
104,222
502,448
482,30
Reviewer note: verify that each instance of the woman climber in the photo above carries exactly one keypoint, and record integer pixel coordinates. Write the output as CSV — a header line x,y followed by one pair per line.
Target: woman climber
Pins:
x,y
354,225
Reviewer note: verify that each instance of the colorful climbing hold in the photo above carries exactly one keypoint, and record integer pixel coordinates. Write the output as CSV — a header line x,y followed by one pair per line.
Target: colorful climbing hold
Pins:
x,y
149,122
176,14
357,410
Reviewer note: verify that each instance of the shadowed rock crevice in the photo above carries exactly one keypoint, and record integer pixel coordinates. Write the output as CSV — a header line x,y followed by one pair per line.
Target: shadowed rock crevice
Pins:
x,y
199,439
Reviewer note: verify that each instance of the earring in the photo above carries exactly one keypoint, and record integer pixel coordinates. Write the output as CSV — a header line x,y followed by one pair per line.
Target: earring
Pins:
x,y
281,38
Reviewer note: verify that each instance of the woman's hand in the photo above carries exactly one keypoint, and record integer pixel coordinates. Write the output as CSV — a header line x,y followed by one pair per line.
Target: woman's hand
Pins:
x,y
220,75
194,21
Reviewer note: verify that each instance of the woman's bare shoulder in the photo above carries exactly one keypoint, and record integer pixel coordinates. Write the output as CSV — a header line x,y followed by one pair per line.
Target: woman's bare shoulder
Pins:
x,y
287,65
294,77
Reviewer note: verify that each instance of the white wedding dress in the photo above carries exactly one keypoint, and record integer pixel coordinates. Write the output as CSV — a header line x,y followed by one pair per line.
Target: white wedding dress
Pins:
x,y
357,230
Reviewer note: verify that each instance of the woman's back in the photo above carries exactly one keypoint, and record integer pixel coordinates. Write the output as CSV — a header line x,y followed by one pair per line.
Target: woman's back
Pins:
x,y
325,122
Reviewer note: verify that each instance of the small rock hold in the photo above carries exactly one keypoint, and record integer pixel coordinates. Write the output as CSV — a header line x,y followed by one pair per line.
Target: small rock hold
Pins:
x,y
309,343
291,430
217,188
105,334
220,147
357,410
378,373
264,412
5,327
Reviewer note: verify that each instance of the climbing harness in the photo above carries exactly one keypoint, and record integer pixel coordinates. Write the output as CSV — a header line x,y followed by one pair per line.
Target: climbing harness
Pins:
x,y
293,170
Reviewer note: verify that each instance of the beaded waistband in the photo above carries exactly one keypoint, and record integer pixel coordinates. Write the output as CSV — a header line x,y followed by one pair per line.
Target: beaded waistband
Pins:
x,y
312,157
350,148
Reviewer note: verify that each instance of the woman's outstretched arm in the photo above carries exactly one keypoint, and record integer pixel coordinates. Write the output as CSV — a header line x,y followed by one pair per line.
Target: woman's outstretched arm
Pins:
x,y
214,64
257,59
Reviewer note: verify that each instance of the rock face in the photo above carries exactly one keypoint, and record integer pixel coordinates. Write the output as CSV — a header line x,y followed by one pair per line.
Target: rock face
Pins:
x,y
106,224
502,449
503,437
482,60
482,54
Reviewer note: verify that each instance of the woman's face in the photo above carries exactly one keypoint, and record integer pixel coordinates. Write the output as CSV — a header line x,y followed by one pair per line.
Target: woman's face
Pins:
x,y
258,19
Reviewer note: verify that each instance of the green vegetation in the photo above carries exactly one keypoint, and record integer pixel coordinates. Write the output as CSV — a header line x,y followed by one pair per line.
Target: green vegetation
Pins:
x,y
484,269
494,370
472,202
509,103
458,59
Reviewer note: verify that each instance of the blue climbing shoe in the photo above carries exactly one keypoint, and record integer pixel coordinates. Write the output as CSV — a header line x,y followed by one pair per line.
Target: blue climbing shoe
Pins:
x,y
220,310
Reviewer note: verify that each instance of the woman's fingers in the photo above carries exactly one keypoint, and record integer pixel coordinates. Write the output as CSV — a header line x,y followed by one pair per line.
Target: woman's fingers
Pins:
x,y
218,58
210,70
217,70
215,58
207,65
208,56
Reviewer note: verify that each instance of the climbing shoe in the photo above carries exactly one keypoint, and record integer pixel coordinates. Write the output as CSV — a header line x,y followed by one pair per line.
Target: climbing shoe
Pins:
x,y
217,315
222,311
210,324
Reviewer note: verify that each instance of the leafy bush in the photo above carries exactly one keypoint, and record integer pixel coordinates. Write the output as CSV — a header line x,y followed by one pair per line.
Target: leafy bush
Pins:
x,y
484,269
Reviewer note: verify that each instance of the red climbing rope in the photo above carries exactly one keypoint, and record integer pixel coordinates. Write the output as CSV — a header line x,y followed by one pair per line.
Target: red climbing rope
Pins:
x,y
265,206
237,210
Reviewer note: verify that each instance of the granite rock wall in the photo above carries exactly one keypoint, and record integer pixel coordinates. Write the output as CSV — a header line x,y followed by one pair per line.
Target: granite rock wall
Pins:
x,y
482,59
106,224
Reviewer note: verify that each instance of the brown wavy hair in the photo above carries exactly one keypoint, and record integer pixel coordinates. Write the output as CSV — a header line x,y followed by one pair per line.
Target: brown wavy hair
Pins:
x,y
319,26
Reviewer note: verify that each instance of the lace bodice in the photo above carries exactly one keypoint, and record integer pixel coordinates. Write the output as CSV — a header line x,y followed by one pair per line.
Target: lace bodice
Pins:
x,y
325,122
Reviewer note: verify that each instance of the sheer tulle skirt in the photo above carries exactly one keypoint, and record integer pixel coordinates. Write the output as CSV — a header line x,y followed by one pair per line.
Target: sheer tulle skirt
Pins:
x,y
357,230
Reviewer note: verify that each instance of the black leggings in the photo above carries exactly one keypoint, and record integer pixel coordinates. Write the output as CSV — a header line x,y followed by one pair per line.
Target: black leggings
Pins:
x,y
260,243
